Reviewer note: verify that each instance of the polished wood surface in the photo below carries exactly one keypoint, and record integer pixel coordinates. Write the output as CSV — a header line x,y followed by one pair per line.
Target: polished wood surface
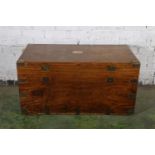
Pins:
x,y
64,84
78,53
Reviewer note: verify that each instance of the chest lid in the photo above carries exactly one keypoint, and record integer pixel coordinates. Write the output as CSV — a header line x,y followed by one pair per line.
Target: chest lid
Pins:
x,y
78,53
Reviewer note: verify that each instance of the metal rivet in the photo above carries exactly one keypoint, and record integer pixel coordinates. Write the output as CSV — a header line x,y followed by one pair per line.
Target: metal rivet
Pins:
x,y
134,80
45,80
111,68
136,65
45,67
110,80
23,94
22,81
38,92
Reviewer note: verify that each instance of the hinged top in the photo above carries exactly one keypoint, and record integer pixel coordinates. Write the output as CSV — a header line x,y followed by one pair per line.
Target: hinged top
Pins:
x,y
78,53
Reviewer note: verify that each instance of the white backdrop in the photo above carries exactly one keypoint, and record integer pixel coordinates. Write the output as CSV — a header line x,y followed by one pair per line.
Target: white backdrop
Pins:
x,y
141,39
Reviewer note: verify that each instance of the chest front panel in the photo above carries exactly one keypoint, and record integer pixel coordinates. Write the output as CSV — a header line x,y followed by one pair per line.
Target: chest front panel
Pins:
x,y
77,88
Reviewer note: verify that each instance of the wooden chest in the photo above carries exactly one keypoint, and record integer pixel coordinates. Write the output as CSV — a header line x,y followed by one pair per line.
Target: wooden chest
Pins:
x,y
77,79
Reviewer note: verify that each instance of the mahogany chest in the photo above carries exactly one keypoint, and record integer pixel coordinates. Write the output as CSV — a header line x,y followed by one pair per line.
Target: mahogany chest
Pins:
x,y
77,79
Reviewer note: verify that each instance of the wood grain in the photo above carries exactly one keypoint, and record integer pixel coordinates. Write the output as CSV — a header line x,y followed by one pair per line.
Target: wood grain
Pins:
x,y
78,87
